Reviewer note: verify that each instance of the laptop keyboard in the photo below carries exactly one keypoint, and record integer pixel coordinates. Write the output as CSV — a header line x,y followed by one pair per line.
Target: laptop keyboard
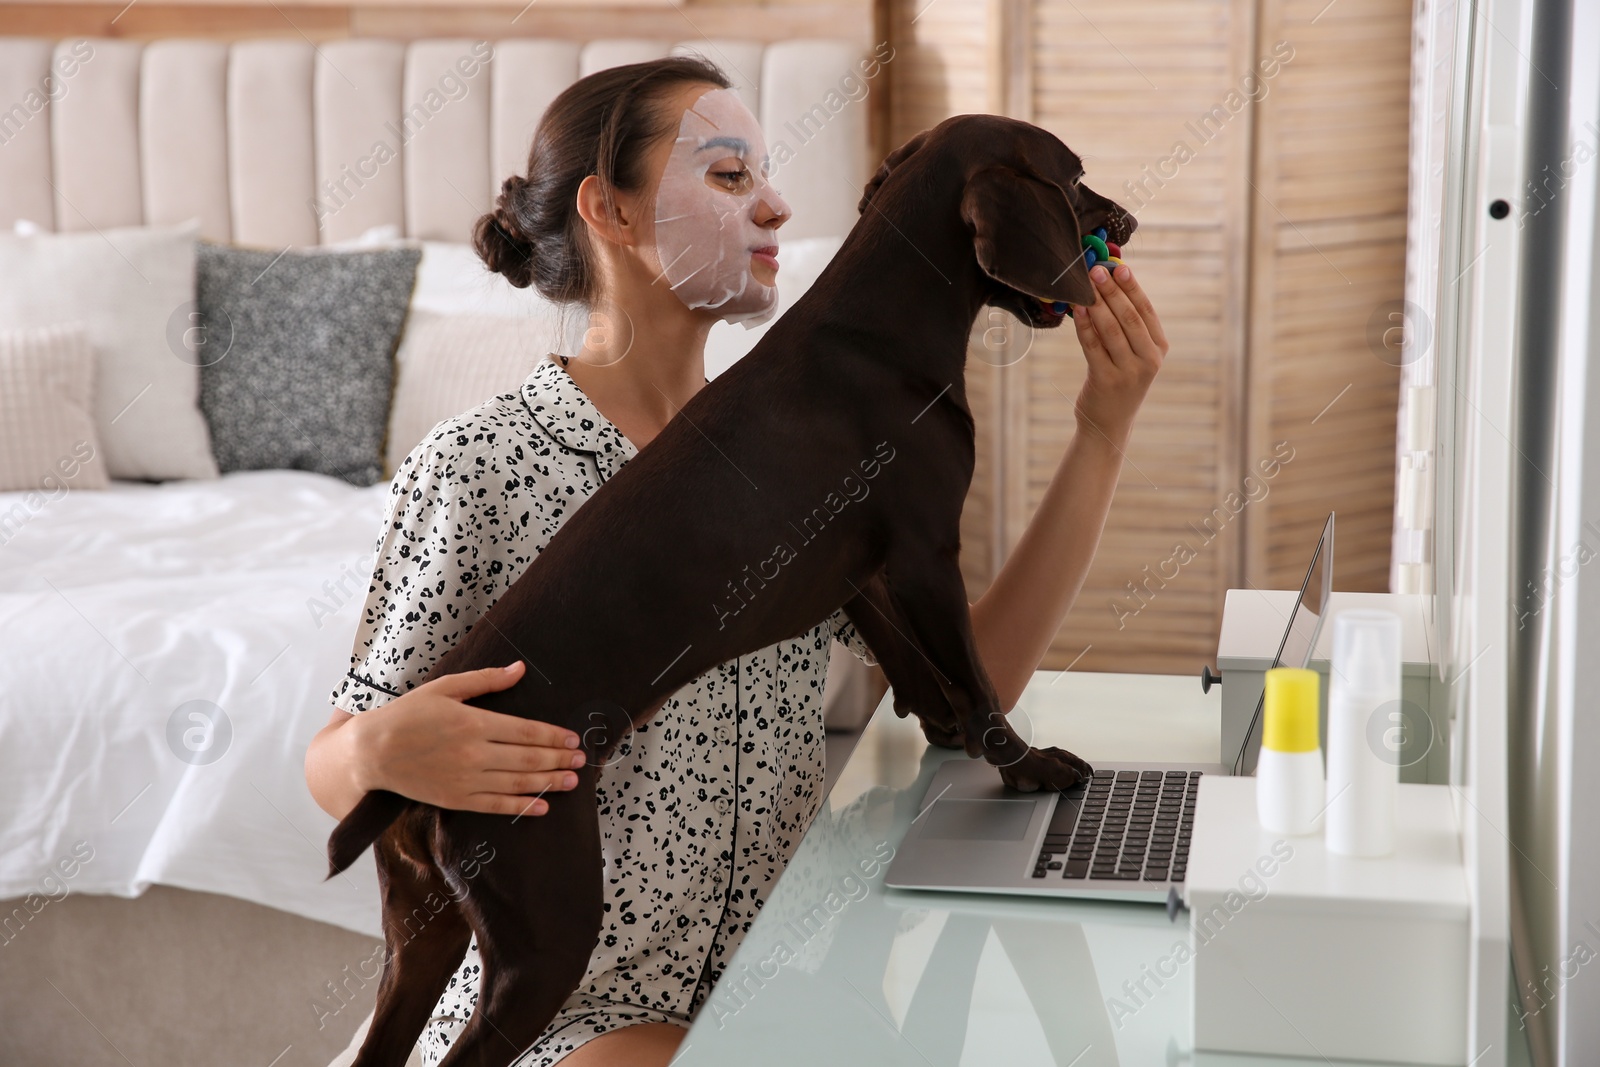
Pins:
x,y
1122,825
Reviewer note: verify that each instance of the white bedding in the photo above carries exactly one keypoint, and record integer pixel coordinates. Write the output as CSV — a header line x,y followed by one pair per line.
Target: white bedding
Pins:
x,y
116,608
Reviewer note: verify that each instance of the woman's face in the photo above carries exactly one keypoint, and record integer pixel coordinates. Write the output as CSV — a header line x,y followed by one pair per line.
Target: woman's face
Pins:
x,y
717,215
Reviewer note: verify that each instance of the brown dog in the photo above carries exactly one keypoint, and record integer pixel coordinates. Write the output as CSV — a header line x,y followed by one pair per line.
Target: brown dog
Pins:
x,y
865,368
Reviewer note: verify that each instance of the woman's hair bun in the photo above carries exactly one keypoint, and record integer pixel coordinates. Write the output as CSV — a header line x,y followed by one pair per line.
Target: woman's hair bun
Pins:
x,y
499,237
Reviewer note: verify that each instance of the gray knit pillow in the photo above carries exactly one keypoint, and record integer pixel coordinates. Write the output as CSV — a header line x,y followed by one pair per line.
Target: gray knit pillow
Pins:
x,y
296,352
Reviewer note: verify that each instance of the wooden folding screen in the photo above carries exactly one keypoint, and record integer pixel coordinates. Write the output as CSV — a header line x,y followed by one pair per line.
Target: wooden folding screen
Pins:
x,y
1263,148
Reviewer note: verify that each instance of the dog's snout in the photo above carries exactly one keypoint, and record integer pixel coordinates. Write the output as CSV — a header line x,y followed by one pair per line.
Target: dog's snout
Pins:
x,y
1120,226
1095,211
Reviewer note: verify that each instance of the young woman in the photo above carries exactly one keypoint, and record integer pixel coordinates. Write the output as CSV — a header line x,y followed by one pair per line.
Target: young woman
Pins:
x,y
647,203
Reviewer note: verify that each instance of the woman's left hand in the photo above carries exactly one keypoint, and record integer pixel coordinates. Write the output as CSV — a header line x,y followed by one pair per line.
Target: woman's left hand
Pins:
x,y
1124,345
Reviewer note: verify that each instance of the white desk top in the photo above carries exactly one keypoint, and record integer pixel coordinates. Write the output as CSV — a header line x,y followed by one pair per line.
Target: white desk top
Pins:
x,y
839,969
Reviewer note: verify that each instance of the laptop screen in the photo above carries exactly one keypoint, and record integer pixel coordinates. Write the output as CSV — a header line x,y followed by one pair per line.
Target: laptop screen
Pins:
x,y
1305,623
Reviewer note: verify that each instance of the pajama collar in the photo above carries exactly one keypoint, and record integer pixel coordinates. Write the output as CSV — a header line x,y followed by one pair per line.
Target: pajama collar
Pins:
x,y
570,417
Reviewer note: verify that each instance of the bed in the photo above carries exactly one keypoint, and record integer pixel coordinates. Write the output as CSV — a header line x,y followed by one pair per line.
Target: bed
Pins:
x,y
170,645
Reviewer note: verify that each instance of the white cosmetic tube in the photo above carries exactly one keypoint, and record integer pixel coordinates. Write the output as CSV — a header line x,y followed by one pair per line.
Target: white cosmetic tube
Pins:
x,y
1365,731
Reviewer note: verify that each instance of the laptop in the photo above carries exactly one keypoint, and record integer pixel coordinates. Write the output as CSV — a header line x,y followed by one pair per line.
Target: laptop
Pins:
x,y
1122,835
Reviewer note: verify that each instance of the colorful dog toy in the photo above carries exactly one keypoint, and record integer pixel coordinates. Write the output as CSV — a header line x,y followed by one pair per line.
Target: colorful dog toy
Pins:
x,y
1096,249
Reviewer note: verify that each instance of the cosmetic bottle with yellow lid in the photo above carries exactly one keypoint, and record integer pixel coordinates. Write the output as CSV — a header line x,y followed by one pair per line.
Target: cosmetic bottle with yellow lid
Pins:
x,y
1289,783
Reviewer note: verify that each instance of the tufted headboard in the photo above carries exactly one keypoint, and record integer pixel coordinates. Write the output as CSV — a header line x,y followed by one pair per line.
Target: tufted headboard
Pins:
x,y
276,142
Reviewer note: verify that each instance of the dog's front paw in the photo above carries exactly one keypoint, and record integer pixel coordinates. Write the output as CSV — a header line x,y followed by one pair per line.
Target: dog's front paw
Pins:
x,y
1046,768
943,735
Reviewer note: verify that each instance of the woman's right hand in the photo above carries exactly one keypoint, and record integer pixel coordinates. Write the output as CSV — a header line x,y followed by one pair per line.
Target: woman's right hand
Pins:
x,y
429,745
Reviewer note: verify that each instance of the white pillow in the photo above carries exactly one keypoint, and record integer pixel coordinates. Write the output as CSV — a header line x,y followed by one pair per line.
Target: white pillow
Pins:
x,y
800,262
47,428
452,280
133,288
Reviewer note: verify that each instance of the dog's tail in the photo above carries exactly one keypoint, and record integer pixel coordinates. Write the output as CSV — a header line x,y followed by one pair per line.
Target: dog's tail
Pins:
x,y
367,820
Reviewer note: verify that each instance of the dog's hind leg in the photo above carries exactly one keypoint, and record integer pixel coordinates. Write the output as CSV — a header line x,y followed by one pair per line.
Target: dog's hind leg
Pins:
x,y
536,907
425,936
915,680
927,587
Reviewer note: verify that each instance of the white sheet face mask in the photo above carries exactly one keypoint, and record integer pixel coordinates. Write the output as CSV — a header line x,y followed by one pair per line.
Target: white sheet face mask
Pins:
x,y
712,188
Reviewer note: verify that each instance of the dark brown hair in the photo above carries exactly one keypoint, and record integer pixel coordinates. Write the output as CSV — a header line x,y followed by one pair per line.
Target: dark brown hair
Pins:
x,y
601,125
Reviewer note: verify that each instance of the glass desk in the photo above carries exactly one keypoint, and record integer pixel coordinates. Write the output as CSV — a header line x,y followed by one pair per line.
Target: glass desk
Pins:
x,y
839,969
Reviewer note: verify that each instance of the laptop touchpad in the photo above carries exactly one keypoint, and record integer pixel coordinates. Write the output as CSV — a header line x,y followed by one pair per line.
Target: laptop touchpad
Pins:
x,y
978,820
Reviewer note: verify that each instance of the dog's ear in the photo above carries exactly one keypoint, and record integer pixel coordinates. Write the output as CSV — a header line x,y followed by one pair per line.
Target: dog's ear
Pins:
x,y
890,161
1026,235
